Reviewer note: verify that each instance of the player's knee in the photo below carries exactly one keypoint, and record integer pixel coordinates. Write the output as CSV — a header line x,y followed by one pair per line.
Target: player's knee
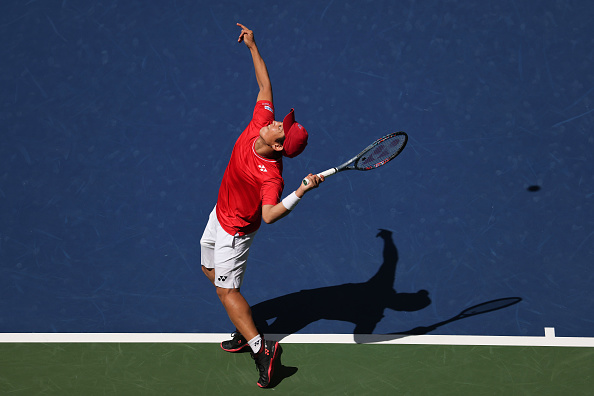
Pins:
x,y
225,293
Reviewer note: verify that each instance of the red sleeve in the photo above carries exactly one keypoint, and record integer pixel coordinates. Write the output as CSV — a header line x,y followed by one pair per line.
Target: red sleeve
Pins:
x,y
272,190
263,114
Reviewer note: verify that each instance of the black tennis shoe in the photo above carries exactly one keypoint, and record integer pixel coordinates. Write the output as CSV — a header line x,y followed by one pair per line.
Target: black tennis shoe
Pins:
x,y
235,344
265,362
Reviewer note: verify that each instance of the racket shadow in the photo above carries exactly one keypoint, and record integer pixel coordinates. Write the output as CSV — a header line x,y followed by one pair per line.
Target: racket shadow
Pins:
x,y
479,309
362,304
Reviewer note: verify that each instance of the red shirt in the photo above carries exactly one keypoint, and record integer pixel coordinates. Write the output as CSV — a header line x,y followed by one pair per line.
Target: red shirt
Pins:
x,y
250,180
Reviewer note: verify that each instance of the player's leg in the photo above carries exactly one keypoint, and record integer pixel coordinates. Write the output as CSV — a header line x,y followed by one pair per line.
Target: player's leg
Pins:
x,y
264,352
239,312
230,256
231,253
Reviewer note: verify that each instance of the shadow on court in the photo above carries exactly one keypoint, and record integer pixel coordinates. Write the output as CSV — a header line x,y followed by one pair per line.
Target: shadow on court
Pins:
x,y
482,308
362,304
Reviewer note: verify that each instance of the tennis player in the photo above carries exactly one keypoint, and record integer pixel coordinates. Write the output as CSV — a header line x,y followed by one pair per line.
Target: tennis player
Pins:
x,y
251,192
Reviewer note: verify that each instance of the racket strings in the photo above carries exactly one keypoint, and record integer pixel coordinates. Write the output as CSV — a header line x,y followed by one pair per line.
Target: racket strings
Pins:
x,y
382,152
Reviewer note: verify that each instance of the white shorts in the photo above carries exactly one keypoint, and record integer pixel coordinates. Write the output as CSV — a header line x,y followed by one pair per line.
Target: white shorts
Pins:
x,y
227,254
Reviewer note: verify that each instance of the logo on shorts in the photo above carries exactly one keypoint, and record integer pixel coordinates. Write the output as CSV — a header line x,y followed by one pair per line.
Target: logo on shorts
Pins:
x,y
222,278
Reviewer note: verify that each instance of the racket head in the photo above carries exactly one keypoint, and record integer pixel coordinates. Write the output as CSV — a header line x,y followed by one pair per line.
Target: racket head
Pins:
x,y
380,152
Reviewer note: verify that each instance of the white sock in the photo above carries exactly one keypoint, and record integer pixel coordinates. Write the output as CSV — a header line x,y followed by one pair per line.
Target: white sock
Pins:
x,y
256,343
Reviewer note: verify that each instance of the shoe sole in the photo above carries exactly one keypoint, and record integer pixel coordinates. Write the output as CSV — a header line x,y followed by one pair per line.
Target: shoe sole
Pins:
x,y
271,368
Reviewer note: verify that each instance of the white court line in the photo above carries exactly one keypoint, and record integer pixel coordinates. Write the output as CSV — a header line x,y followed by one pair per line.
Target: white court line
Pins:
x,y
548,340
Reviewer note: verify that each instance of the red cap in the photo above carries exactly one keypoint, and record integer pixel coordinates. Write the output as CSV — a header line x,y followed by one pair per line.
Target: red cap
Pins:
x,y
295,136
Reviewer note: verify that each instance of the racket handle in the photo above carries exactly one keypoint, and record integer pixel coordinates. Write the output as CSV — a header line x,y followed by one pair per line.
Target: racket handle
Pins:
x,y
326,173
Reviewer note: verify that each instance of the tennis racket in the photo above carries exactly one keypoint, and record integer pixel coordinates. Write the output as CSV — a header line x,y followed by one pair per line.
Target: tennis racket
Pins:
x,y
378,153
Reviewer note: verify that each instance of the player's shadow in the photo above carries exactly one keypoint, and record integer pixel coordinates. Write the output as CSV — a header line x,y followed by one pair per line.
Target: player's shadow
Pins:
x,y
362,304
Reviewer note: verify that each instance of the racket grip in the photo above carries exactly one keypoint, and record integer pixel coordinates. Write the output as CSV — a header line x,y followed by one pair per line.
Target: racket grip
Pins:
x,y
326,173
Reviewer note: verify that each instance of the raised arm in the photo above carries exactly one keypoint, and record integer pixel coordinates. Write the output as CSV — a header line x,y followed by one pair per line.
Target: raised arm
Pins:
x,y
247,36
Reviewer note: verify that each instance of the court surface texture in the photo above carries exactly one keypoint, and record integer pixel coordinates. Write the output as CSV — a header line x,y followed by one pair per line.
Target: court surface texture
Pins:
x,y
464,266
